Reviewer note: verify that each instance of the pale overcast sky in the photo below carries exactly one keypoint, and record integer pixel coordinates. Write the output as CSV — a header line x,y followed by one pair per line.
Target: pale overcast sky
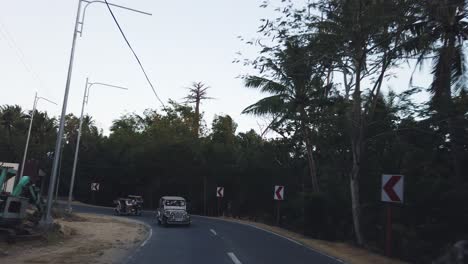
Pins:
x,y
184,41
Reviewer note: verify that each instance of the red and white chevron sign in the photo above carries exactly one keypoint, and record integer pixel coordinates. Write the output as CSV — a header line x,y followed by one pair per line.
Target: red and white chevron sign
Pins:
x,y
279,193
95,186
392,188
220,192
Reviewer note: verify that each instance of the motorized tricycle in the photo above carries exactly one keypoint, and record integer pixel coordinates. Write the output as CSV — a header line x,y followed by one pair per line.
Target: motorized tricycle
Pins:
x,y
126,206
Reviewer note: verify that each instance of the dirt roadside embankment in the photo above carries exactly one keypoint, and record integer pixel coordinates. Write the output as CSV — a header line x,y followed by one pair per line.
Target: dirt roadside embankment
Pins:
x,y
83,238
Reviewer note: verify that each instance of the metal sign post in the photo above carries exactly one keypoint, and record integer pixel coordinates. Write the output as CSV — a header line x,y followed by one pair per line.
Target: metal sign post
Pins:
x,y
278,214
388,231
94,188
392,192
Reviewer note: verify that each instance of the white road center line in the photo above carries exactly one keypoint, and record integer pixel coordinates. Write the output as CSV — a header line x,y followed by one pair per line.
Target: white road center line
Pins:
x,y
214,232
234,258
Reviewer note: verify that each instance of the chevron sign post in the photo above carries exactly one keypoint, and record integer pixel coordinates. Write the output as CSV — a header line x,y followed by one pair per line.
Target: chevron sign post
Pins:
x,y
392,192
220,195
278,196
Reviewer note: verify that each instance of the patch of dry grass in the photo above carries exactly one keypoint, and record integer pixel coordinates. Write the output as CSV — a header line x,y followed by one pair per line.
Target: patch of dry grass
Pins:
x,y
81,238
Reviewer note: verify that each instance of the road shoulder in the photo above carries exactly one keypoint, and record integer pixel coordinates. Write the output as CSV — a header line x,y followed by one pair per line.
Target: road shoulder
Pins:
x,y
86,238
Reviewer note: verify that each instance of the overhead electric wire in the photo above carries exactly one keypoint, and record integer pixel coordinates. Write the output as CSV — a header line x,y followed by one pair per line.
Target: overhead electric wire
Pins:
x,y
10,40
134,53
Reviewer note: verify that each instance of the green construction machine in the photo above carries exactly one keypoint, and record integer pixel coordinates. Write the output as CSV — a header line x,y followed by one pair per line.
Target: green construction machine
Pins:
x,y
14,205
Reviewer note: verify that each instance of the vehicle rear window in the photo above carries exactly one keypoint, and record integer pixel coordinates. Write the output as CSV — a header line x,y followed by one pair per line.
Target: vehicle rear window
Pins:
x,y
174,203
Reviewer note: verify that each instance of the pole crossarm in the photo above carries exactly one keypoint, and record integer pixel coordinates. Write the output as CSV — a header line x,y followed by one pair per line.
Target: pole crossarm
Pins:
x,y
45,99
82,18
89,85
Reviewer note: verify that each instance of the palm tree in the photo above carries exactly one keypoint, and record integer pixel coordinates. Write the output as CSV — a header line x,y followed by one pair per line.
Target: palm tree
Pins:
x,y
44,132
440,32
197,93
293,86
11,117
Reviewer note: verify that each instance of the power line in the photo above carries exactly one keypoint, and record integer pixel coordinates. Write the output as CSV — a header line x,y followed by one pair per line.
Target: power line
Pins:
x,y
19,53
134,53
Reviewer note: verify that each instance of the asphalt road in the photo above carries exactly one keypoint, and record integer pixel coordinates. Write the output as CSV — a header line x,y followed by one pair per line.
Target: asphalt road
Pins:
x,y
213,241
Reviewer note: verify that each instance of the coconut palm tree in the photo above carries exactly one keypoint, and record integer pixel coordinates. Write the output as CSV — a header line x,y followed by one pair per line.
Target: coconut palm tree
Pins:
x,y
197,93
440,32
43,134
292,86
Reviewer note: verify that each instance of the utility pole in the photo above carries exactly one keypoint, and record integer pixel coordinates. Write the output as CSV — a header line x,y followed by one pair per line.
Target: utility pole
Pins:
x,y
47,220
77,148
59,173
88,86
25,154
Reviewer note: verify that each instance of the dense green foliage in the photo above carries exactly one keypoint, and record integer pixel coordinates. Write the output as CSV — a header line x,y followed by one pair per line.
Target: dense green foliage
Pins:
x,y
334,130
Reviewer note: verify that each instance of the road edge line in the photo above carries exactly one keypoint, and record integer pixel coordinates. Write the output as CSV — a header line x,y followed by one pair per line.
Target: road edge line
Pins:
x,y
142,244
276,234
149,236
